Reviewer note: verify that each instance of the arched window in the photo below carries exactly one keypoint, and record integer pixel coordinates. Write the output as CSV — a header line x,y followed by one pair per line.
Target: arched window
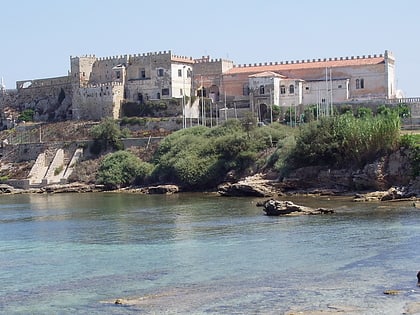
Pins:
x,y
262,90
292,89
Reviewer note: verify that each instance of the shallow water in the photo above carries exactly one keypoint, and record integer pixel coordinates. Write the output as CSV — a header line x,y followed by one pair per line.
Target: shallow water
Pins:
x,y
202,254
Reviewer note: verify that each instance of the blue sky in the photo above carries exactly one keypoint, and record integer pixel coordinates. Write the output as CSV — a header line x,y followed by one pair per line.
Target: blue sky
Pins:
x,y
38,37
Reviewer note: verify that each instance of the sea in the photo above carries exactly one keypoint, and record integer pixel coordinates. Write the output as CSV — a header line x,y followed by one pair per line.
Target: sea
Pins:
x,y
200,253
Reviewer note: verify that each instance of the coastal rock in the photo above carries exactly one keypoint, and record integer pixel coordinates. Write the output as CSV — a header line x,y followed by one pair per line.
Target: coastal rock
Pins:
x,y
6,189
394,193
252,186
275,208
243,190
163,189
69,188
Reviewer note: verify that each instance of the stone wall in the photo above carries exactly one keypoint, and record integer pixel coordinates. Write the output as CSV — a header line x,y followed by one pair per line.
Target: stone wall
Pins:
x,y
51,99
94,102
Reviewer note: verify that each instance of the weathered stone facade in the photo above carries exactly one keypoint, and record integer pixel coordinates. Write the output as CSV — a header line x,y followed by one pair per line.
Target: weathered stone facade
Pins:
x,y
96,87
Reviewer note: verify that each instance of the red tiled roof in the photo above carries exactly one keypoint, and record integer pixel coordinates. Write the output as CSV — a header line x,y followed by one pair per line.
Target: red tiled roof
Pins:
x,y
307,65
267,74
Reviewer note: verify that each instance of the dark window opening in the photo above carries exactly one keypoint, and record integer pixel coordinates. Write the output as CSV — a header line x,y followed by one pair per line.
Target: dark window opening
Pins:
x,y
179,73
292,89
140,98
262,90
158,95
282,89
160,72
142,73
165,91
362,83
118,74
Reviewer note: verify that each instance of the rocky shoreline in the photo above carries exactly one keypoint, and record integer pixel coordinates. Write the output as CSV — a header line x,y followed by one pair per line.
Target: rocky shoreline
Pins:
x,y
252,186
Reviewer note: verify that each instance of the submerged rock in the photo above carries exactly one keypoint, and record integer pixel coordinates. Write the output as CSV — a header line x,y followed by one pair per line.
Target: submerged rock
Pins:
x,y
275,208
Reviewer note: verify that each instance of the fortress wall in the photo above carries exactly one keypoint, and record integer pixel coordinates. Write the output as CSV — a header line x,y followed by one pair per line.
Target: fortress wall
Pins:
x,y
49,101
28,85
98,101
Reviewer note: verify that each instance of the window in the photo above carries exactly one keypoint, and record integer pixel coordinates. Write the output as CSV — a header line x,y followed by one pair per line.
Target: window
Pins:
x,y
307,88
160,72
340,86
360,83
181,92
262,90
143,73
165,91
245,89
158,95
292,89
179,73
118,74
282,89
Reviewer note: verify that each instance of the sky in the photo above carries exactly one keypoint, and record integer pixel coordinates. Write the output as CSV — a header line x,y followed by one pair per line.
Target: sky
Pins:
x,y
39,36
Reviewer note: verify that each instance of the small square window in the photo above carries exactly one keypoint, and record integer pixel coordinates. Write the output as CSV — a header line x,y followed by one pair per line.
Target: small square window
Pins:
x,y
160,72
340,86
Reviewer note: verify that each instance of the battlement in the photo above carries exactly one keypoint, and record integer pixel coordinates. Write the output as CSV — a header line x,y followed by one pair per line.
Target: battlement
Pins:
x,y
207,59
303,61
182,58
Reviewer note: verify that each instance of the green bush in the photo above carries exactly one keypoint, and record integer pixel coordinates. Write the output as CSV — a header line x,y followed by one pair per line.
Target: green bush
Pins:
x,y
346,140
27,115
107,134
123,168
200,157
412,142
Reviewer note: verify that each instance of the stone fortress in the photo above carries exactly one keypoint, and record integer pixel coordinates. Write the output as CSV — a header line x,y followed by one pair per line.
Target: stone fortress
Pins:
x,y
97,87
186,88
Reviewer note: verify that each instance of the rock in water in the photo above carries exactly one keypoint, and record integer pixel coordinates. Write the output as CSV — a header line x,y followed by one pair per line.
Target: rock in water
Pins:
x,y
275,208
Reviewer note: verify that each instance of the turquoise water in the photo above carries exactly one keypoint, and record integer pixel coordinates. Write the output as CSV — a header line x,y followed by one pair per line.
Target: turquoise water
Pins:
x,y
202,254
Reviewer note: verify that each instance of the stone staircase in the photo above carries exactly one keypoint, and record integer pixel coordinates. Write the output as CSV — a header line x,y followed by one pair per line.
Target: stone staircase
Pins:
x,y
53,167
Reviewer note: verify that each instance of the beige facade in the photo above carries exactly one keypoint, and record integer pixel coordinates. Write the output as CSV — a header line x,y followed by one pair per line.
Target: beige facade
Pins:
x,y
98,86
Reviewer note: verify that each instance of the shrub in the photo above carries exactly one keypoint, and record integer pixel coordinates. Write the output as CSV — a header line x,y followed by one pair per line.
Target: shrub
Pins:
x,y
345,140
27,115
123,168
412,142
107,134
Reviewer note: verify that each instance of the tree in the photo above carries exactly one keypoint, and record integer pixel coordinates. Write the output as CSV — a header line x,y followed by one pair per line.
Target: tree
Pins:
x,y
107,134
